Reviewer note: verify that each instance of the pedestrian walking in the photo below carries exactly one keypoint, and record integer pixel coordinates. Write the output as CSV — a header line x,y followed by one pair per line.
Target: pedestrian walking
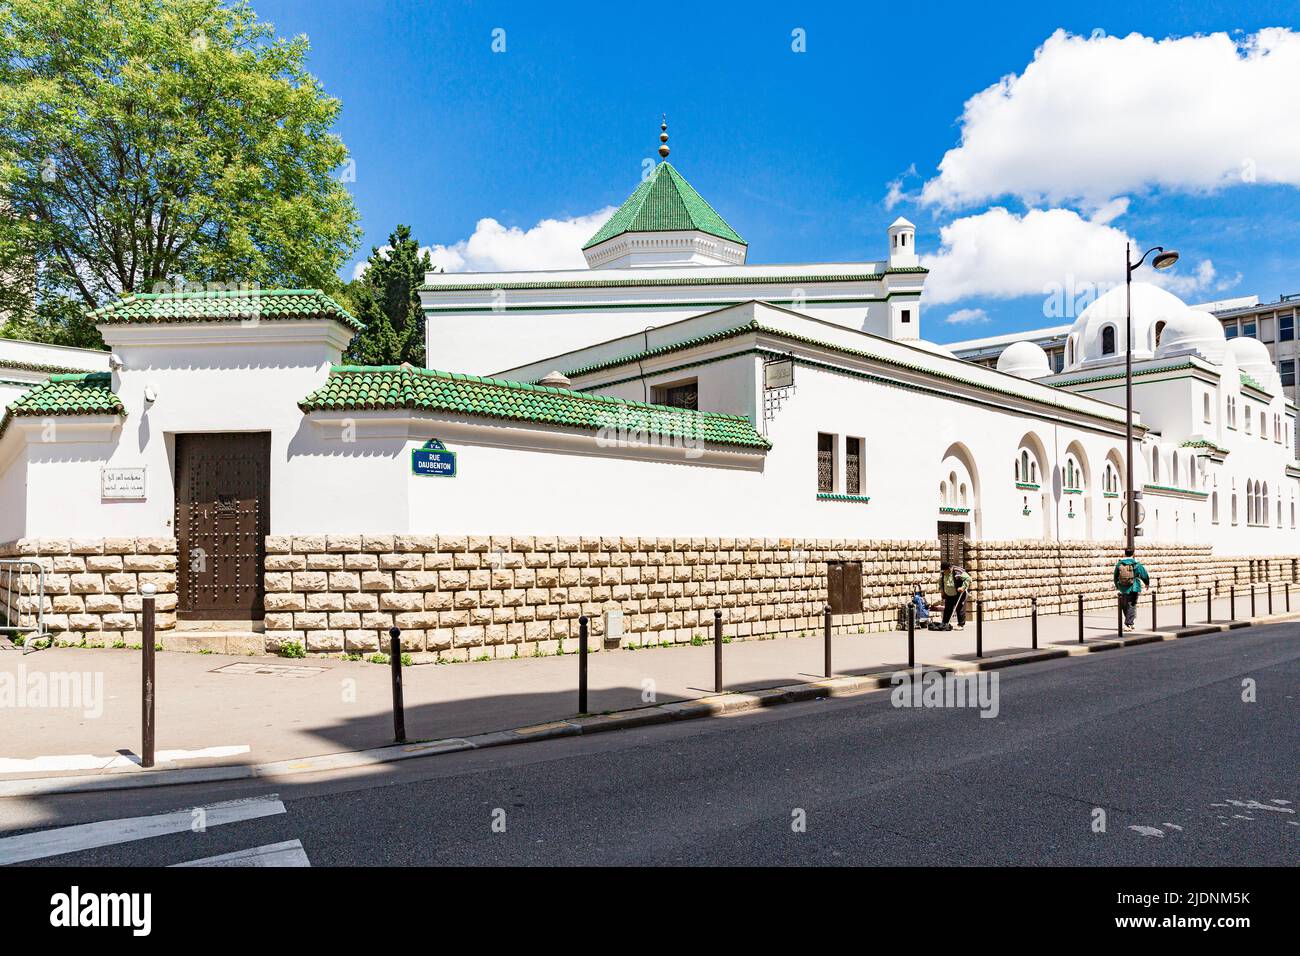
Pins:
x,y
954,584
1130,576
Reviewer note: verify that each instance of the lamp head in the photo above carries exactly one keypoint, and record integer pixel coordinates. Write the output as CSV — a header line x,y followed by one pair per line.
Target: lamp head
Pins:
x,y
1164,259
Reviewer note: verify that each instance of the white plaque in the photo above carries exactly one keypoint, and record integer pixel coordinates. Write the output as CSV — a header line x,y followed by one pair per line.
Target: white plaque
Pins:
x,y
778,373
122,483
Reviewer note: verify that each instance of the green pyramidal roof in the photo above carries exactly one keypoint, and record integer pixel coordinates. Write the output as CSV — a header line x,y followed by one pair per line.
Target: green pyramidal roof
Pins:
x,y
665,202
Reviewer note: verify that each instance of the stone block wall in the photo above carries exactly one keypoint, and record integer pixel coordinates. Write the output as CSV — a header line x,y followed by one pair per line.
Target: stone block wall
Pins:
x,y
467,597
1009,573
92,585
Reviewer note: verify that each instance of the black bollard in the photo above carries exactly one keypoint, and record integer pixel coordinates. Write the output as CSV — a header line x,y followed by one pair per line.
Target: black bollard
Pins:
x,y
717,652
911,635
1184,599
1080,618
1209,605
582,664
1270,597
147,660
979,628
395,665
827,614
1153,609
1119,614
1232,603
1033,622
1252,600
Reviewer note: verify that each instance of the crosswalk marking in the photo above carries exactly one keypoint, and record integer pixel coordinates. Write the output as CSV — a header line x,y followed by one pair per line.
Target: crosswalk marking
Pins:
x,y
289,853
88,836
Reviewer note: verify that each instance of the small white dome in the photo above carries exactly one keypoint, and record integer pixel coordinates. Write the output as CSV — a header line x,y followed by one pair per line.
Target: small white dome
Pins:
x,y
1253,359
1024,360
1193,331
1151,304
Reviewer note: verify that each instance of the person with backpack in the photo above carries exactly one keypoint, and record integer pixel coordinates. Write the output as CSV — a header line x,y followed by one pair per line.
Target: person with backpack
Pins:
x,y
1130,575
954,583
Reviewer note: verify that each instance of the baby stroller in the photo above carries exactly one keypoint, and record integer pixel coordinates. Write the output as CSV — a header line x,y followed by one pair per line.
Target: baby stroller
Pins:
x,y
922,611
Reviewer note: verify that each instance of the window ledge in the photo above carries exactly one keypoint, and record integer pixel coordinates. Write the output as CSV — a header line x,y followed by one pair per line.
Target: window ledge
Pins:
x,y
858,499
1027,486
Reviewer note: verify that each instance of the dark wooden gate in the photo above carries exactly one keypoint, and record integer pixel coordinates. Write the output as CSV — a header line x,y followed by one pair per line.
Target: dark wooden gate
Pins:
x,y
952,542
223,497
844,587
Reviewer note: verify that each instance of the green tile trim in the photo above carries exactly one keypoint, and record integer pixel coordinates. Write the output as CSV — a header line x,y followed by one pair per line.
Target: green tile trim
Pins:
x,y
362,388
1027,486
1202,443
37,367
1178,492
858,499
1249,382
648,282
664,202
81,393
953,511
224,306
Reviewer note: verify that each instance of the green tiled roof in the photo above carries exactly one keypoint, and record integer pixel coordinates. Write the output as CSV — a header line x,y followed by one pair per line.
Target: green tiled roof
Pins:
x,y
357,388
1250,382
224,306
85,393
665,202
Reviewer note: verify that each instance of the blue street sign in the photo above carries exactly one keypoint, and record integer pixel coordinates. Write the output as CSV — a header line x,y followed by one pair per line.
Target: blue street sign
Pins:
x,y
433,459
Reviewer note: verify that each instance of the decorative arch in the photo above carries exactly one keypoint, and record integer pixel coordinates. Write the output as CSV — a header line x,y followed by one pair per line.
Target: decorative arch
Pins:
x,y
1108,340
957,470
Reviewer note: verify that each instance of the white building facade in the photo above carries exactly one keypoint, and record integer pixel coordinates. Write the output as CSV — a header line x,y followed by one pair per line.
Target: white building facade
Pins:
x,y
670,432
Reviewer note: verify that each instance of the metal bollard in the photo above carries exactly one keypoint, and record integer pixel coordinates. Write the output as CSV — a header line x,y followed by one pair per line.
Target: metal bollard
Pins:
x,y
1033,622
1209,605
1252,600
911,635
1184,607
1232,603
1080,618
1286,589
979,628
1153,609
717,652
1270,597
1119,614
582,664
395,665
147,658
827,614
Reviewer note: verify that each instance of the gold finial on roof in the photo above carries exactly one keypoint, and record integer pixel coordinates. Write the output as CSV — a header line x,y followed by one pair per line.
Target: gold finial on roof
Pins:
x,y
663,138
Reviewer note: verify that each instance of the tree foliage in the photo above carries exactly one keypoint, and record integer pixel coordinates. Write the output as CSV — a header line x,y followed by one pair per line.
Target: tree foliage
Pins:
x,y
387,299
156,144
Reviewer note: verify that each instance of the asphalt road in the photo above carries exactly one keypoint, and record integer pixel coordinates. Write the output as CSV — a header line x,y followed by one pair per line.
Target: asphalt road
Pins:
x,y
1157,737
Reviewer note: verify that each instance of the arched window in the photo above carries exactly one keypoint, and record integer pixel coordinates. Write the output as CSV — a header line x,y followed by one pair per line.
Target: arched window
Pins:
x,y
1160,330
1214,507
1234,507
943,493
1263,497
1155,466
963,494
1024,466
1174,477
1108,340
1069,473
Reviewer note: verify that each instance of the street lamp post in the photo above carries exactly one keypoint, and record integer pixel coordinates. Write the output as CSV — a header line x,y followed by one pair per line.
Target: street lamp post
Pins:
x,y
1163,260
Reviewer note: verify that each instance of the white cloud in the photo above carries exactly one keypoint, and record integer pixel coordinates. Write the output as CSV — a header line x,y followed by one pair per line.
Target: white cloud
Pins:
x,y
968,317
999,254
551,244
897,193
1094,118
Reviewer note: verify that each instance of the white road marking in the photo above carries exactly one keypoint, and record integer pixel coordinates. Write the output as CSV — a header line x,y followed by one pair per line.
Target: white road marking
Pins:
x,y
116,761
88,836
289,853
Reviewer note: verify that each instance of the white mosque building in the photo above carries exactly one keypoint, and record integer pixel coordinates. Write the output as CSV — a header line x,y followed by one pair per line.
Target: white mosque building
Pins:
x,y
667,432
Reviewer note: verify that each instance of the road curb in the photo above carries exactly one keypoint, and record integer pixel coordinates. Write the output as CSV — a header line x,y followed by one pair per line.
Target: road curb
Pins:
x,y
714,705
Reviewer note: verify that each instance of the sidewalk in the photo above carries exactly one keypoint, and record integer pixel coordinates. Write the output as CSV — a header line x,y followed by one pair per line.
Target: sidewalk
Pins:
x,y
215,710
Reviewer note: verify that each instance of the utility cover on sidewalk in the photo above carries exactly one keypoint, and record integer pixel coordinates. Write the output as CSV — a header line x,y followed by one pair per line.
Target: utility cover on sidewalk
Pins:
x,y
270,670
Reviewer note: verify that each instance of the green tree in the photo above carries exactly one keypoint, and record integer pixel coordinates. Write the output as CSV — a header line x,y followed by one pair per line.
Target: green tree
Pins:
x,y
387,300
155,145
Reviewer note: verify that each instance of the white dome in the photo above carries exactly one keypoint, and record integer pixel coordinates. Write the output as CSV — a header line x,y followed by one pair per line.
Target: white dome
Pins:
x,y
1151,304
1253,359
1193,331
1024,360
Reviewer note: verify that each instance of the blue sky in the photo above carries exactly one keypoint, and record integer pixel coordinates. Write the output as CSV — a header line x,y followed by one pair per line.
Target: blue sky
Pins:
x,y
797,150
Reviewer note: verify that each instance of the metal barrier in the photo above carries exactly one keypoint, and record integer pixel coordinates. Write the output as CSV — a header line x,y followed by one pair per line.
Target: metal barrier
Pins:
x,y
17,576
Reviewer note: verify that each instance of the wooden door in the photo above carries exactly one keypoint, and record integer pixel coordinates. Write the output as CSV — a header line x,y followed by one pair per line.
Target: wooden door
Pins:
x,y
223,485
952,542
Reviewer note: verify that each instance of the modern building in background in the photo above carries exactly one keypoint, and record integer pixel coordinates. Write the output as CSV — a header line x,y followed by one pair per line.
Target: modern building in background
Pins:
x,y
1273,323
